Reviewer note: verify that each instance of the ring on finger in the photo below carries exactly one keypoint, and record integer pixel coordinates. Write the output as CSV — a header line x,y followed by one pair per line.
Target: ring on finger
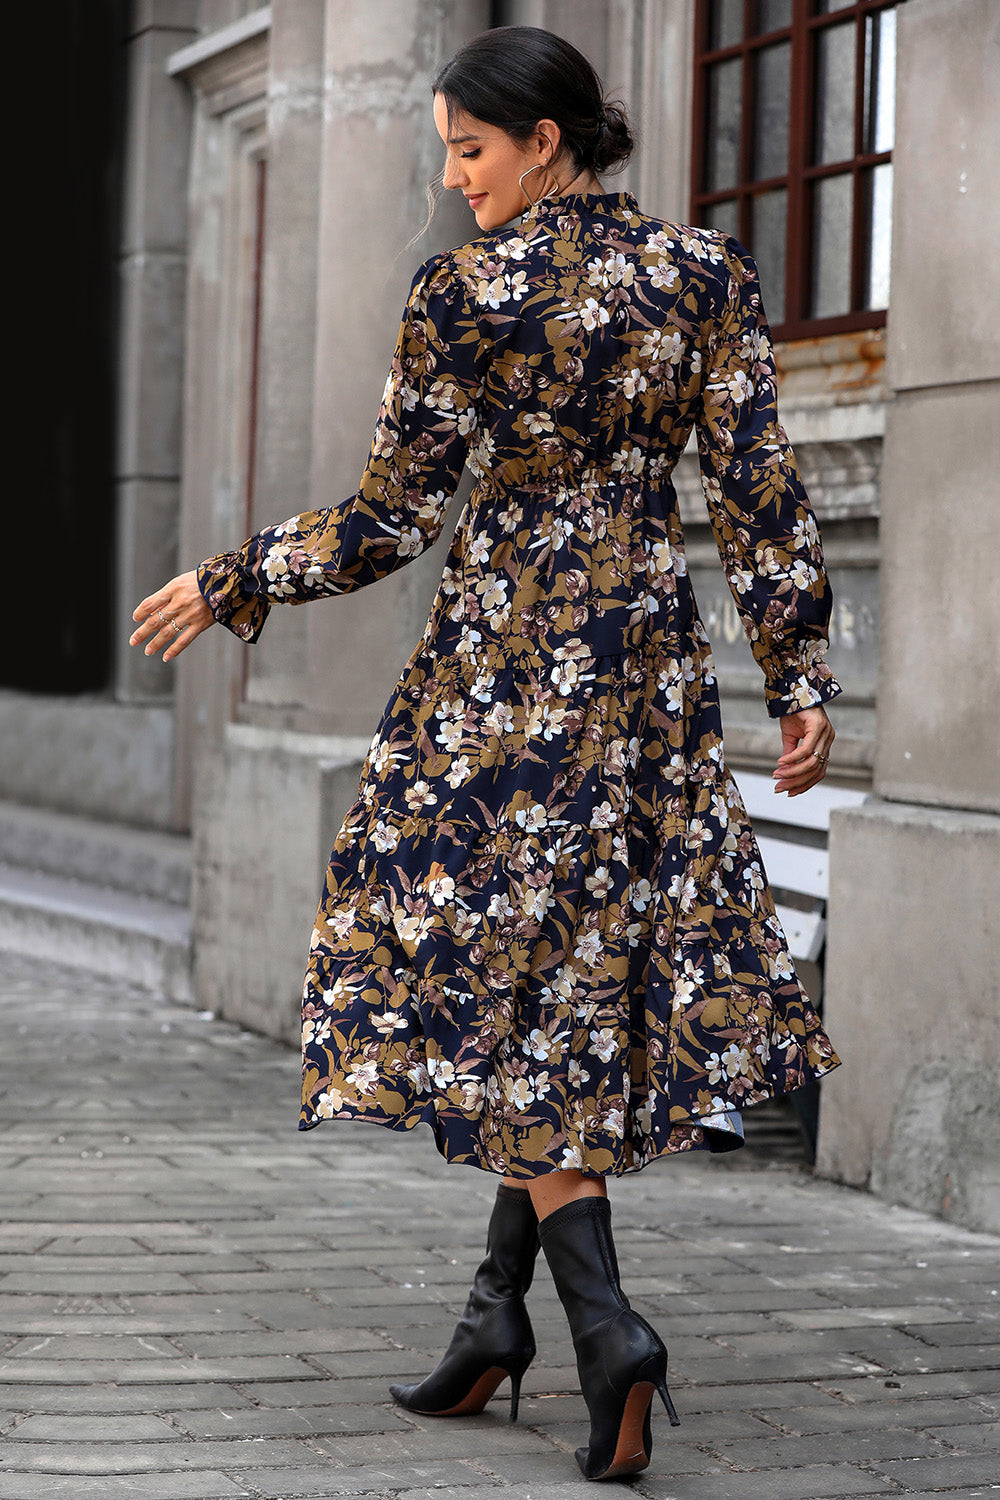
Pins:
x,y
177,628
823,758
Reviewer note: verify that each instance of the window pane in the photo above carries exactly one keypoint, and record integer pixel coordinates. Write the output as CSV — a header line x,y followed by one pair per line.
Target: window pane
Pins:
x,y
768,245
826,7
831,247
880,80
723,154
772,15
770,109
725,23
834,128
878,210
724,216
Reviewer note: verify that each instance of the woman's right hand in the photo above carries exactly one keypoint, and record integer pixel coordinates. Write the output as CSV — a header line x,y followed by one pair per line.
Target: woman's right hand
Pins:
x,y
169,620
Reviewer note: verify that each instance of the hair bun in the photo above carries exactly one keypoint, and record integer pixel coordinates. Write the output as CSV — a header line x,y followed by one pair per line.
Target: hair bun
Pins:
x,y
615,142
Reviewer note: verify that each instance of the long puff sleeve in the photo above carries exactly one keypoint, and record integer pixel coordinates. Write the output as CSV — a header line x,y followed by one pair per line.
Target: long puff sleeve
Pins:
x,y
425,425
765,528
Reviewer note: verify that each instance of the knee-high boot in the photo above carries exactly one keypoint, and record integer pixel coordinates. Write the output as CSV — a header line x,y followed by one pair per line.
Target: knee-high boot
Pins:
x,y
621,1360
493,1338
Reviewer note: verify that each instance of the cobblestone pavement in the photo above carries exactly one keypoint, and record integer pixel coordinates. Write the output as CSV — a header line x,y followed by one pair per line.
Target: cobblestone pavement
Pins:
x,y
197,1301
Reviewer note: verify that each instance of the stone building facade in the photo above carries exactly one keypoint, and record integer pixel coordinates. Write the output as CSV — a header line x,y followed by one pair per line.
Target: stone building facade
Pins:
x,y
273,177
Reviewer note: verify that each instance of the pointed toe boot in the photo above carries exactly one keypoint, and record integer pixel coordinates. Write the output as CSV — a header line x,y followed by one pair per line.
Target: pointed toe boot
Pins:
x,y
621,1360
493,1340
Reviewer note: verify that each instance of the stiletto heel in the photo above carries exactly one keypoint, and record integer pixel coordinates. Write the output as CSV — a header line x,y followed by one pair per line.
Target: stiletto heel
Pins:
x,y
621,1360
493,1340
515,1393
664,1394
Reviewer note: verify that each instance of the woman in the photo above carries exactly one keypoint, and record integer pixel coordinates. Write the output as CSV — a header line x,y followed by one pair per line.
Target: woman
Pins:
x,y
545,930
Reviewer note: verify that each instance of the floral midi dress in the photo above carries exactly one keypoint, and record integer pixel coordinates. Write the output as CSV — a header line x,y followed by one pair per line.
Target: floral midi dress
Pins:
x,y
546,929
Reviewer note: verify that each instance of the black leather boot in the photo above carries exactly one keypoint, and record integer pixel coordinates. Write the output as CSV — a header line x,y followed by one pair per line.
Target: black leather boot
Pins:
x,y
621,1359
493,1339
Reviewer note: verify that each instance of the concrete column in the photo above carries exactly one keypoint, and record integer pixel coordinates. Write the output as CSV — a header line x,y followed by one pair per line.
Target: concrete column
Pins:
x,y
153,272
379,150
912,974
275,671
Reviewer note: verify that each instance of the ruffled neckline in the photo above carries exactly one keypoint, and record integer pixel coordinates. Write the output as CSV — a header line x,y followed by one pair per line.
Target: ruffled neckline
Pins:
x,y
584,205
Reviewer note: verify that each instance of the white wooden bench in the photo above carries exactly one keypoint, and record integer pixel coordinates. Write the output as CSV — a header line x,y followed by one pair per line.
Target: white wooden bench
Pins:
x,y
792,834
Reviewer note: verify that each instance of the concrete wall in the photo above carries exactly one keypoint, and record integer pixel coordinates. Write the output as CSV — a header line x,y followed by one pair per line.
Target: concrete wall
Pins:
x,y
270,803
914,948
913,1004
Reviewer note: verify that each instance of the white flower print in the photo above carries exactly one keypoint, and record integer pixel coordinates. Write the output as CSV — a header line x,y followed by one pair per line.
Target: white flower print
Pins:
x,y
603,1043
419,795
441,888
341,921
389,1021
589,949
599,882
412,927
594,314
664,276
460,770
603,816
411,542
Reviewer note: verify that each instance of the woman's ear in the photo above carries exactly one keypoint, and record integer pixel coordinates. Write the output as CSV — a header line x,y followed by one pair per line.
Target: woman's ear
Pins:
x,y
549,138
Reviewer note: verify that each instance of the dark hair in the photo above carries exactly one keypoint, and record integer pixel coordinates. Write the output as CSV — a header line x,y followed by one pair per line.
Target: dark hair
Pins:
x,y
514,76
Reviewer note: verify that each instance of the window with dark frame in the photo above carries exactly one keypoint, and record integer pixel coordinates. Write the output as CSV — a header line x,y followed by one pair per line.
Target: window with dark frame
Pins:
x,y
794,106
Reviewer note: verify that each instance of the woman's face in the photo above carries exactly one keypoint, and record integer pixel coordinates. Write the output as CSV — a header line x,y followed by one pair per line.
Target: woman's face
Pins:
x,y
486,163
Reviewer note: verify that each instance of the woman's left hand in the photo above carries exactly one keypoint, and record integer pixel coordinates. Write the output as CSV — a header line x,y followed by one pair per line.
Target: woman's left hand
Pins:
x,y
806,737
169,620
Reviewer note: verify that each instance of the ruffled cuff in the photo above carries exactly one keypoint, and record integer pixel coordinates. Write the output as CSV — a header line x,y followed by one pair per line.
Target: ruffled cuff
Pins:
x,y
800,686
222,589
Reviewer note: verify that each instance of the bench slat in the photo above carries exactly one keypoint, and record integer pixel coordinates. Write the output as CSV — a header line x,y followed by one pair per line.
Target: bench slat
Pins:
x,y
797,867
811,811
805,931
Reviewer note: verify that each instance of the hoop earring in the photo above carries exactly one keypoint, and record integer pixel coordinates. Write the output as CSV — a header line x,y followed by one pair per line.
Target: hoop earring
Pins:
x,y
539,166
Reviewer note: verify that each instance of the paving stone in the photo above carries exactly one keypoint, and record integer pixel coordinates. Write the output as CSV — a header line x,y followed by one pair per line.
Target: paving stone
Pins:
x,y
812,1482
925,1415
104,1321
828,1447
238,1367
859,1317
751,1397
116,1429
97,1345
808,1482
153,1458
487,1437
951,1383
985,1492
110,1398
572,1489
284,1484
266,1421
943,1472
971,1435
120,1487
340,1341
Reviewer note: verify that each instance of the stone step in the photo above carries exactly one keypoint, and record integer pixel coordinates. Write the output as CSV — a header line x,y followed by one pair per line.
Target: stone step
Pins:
x,y
100,929
140,862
